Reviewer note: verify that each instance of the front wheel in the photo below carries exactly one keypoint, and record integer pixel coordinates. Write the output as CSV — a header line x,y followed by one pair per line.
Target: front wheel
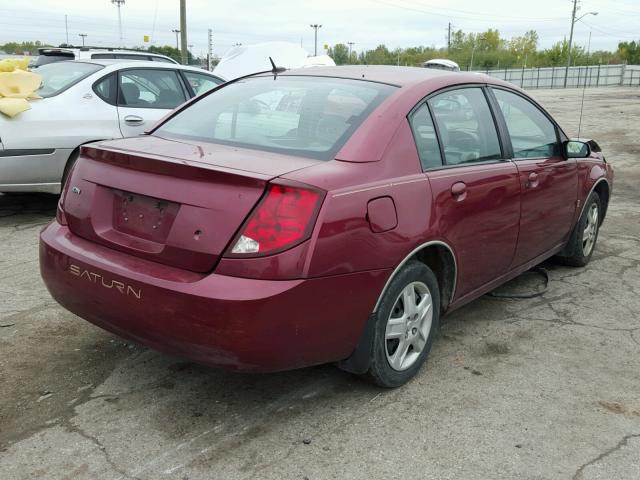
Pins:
x,y
583,240
406,322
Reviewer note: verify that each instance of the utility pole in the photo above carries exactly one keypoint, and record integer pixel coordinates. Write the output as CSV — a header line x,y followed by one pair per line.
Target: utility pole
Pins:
x,y
210,51
315,27
573,22
177,32
351,44
82,35
66,28
449,38
119,3
183,31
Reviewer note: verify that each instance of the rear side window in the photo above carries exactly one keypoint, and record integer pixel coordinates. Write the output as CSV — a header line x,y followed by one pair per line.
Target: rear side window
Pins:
x,y
424,134
150,88
465,123
532,134
308,116
106,88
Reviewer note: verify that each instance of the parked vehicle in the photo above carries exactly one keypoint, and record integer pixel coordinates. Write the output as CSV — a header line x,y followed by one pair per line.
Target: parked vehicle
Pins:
x,y
321,215
442,64
84,102
50,55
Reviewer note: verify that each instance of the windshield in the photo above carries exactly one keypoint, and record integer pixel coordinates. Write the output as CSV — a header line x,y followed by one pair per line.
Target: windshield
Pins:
x,y
58,76
308,116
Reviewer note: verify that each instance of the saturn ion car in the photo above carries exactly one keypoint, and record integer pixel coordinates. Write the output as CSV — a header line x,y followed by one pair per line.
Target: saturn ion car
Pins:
x,y
86,101
321,216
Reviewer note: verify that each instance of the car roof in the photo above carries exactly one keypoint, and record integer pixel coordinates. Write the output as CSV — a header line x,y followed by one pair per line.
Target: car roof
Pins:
x,y
115,64
389,74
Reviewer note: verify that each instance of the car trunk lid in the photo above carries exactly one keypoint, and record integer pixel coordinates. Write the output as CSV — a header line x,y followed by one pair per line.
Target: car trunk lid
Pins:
x,y
172,202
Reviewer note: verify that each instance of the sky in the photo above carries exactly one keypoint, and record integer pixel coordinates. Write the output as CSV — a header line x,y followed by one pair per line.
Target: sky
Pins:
x,y
367,23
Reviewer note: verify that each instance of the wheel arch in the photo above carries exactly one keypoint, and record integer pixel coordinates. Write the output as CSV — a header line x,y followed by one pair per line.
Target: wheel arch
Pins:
x,y
440,258
602,188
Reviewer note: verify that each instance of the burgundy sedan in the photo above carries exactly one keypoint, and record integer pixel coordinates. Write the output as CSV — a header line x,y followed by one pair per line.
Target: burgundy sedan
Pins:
x,y
321,215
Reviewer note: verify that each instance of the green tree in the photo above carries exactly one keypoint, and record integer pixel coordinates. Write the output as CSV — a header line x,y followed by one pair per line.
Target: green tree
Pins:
x,y
340,53
629,52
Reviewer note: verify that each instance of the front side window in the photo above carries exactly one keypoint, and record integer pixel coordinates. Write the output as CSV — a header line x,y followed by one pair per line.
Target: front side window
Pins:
x,y
308,116
467,130
150,88
201,83
532,134
424,134
58,76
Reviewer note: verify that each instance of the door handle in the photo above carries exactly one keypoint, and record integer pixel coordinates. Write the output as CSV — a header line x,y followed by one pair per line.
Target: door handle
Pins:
x,y
133,120
532,181
459,191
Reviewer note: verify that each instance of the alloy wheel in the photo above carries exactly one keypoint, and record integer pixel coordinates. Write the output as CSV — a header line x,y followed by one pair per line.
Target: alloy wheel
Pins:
x,y
590,230
408,326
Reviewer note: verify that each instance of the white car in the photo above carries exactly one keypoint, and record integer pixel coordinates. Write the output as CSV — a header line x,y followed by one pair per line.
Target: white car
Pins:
x,y
85,102
50,55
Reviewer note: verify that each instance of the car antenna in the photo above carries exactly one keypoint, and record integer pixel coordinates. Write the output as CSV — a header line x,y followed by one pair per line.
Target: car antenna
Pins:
x,y
276,70
584,88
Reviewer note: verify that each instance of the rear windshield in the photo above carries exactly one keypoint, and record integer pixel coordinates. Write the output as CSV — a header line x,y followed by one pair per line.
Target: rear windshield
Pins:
x,y
46,58
308,116
57,77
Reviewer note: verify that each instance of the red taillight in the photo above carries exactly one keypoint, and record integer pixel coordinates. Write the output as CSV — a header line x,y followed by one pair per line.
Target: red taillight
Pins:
x,y
283,219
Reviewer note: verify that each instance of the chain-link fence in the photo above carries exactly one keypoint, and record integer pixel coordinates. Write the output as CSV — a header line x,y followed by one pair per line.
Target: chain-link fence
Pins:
x,y
578,76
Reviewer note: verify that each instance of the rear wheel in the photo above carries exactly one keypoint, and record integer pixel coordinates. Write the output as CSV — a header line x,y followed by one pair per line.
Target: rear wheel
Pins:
x,y
406,322
583,239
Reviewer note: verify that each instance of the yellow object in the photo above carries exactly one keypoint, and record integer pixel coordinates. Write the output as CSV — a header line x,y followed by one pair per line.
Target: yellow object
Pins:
x,y
11,64
13,106
17,86
146,38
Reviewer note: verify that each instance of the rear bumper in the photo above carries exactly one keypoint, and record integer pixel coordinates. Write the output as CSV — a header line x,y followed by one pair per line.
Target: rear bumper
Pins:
x,y
37,170
236,323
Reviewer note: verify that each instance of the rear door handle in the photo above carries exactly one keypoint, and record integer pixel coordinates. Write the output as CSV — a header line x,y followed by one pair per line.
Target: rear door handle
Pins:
x,y
133,120
459,191
532,181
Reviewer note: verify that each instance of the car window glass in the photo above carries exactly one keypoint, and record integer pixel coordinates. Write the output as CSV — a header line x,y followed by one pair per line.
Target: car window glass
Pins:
x,y
150,89
532,134
425,137
467,130
130,56
102,56
309,116
58,76
161,59
201,83
105,88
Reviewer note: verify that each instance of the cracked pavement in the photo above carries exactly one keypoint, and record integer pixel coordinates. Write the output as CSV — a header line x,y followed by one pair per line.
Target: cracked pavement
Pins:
x,y
543,388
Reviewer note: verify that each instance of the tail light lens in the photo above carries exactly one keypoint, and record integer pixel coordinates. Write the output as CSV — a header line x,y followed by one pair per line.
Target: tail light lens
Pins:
x,y
284,218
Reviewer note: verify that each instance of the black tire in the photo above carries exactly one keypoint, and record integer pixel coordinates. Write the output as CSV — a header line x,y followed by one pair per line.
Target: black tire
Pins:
x,y
69,166
577,253
381,372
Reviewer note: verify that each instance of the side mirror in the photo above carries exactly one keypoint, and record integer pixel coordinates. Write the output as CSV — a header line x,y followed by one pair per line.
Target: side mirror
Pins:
x,y
576,149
